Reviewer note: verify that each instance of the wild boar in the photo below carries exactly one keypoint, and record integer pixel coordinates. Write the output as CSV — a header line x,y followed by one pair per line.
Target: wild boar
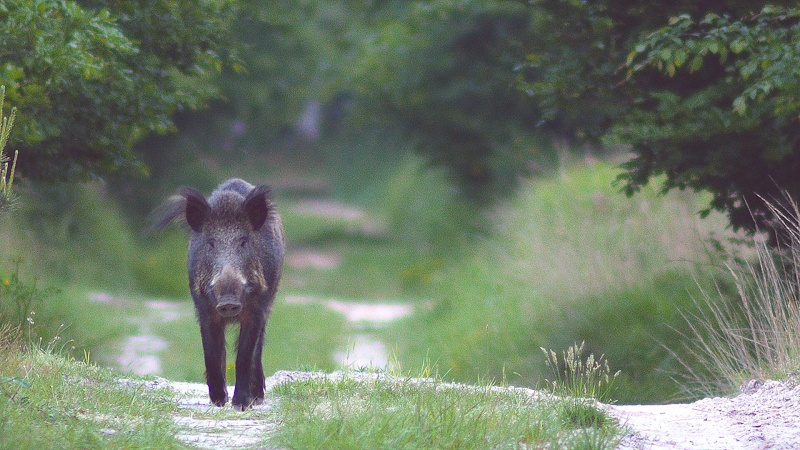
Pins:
x,y
235,257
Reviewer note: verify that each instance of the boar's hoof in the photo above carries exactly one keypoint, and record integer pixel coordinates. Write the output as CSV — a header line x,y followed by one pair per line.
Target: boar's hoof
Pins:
x,y
219,401
241,404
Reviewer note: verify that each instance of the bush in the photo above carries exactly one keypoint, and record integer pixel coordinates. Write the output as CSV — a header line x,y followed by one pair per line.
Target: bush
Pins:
x,y
422,206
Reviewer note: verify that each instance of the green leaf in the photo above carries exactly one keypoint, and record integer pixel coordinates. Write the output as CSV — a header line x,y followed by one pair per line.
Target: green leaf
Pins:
x,y
21,382
740,105
697,63
680,57
738,46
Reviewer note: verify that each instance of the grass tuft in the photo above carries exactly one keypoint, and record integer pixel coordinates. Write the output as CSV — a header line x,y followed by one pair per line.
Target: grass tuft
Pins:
x,y
577,377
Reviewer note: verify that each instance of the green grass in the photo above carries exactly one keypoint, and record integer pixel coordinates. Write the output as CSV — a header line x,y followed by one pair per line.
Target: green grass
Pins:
x,y
69,315
569,260
51,401
405,413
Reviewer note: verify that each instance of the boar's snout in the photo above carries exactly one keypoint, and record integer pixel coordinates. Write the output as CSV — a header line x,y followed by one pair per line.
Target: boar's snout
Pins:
x,y
229,306
229,290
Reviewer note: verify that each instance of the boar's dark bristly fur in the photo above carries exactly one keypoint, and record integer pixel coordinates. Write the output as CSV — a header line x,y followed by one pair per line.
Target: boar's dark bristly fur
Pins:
x,y
236,250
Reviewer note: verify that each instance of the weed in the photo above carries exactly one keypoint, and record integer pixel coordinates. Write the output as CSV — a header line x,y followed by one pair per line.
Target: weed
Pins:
x,y
19,299
577,382
577,377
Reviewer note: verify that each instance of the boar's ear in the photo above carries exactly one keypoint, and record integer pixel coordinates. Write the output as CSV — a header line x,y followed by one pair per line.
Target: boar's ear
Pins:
x,y
196,208
257,205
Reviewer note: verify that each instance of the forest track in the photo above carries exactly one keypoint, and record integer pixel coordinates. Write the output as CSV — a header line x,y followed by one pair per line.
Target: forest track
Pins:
x,y
767,416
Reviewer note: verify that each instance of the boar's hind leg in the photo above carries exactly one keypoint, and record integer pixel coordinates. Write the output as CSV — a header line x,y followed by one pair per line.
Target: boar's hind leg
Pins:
x,y
251,337
213,335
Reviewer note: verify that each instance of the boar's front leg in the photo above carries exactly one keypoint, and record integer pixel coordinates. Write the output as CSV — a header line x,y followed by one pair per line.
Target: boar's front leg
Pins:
x,y
213,335
249,372
257,380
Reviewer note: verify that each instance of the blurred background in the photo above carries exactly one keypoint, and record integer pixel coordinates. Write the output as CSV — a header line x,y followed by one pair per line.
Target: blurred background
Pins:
x,y
452,177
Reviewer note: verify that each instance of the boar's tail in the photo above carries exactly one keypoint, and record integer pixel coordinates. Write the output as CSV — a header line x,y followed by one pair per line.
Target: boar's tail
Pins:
x,y
173,210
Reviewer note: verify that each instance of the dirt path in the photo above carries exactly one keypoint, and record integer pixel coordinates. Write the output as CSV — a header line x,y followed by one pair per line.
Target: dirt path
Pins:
x,y
766,417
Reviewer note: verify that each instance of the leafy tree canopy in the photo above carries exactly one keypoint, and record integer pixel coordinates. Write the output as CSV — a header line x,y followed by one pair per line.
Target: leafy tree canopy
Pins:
x,y
718,110
704,93
90,78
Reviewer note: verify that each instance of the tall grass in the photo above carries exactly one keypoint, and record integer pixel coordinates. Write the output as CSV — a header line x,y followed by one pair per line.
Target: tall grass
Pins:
x,y
570,259
575,376
422,207
755,334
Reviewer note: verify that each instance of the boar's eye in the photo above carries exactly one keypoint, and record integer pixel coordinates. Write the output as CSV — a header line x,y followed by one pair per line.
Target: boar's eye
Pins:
x,y
243,244
211,243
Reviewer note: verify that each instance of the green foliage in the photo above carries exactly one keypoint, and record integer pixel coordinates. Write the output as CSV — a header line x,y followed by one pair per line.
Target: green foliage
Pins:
x,y
704,93
422,207
19,299
80,236
92,78
63,319
716,110
443,72
571,66
438,75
